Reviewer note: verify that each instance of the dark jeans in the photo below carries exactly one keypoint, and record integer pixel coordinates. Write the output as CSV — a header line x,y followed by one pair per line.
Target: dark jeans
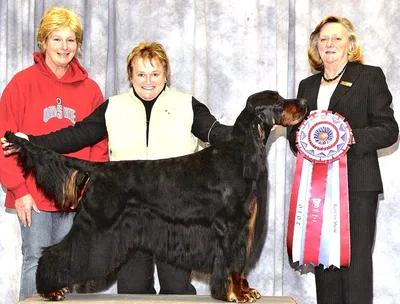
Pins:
x,y
136,276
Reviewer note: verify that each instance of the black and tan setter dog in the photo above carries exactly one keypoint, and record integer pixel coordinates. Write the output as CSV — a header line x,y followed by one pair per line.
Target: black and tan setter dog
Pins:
x,y
205,211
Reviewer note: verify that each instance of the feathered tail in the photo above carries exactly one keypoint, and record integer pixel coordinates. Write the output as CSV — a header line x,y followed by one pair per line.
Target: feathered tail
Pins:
x,y
60,178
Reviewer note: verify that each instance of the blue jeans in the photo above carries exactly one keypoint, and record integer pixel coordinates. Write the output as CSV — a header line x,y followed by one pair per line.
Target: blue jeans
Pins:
x,y
47,228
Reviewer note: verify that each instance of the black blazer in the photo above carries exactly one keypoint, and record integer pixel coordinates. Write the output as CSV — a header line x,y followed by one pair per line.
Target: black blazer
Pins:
x,y
363,98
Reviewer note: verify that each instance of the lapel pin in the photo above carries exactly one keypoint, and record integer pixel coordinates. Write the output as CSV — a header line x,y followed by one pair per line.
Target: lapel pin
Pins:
x,y
345,83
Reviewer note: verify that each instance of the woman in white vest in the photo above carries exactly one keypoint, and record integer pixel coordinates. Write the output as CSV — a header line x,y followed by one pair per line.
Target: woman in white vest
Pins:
x,y
161,123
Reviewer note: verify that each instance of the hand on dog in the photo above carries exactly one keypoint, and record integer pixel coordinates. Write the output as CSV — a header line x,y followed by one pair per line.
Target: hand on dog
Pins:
x,y
9,148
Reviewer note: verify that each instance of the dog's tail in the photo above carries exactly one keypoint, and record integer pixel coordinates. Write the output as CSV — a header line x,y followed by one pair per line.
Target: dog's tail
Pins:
x,y
61,179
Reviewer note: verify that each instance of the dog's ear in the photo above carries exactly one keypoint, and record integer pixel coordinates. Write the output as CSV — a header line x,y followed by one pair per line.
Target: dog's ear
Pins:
x,y
266,105
254,155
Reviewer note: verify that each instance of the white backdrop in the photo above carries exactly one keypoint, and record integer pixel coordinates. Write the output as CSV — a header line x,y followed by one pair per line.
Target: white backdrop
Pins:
x,y
222,52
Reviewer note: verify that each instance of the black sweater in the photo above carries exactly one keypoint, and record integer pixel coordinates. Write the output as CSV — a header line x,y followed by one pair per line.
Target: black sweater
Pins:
x,y
93,128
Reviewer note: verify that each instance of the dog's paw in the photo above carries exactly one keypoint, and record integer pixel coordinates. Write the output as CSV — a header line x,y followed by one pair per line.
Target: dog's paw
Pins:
x,y
57,295
253,294
249,296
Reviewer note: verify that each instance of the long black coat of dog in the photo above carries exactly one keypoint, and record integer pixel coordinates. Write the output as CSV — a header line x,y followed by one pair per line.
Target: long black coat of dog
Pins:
x,y
205,211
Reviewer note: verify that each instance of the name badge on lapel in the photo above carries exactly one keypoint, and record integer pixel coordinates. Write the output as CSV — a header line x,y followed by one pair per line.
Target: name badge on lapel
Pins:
x,y
345,83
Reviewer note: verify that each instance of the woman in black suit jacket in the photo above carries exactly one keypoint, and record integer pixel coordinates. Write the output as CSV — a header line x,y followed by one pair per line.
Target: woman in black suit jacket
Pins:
x,y
360,94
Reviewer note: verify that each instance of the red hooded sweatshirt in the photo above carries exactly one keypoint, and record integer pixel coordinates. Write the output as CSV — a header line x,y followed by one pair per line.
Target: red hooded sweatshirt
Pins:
x,y
36,102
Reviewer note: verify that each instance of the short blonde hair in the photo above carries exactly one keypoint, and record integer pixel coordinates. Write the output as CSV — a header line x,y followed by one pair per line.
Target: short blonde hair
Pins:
x,y
149,50
354,53
57,18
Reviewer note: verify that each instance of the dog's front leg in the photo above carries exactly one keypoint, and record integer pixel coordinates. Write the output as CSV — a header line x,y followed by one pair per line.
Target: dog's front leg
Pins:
x,y
240,291
231,287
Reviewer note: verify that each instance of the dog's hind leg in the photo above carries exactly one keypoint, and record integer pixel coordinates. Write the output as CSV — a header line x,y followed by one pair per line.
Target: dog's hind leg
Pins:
x,y
87,252
53,272
78,258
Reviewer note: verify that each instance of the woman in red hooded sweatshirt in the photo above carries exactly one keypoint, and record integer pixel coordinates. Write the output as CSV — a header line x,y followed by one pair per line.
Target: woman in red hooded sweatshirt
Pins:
x,y
53,93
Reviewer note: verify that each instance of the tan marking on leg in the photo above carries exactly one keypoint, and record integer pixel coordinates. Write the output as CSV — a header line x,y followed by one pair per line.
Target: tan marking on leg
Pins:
x,y
251,224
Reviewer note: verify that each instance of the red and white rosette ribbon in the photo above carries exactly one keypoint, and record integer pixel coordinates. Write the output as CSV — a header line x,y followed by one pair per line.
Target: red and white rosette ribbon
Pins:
x,y
318,224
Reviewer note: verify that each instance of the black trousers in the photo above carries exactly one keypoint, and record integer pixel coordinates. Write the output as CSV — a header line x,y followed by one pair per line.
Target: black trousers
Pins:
x,y
353,285
136,276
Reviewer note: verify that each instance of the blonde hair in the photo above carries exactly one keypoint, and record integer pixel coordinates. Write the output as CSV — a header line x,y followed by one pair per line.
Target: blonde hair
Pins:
x,y
149,50
57,18
354,52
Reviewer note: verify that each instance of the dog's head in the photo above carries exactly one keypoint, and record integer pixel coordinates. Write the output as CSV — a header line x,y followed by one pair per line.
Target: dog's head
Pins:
x,y
272,109
266,109
269,108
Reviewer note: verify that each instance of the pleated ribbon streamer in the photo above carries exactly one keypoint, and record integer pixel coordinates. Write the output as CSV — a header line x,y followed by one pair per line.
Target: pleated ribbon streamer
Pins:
x,y
318,224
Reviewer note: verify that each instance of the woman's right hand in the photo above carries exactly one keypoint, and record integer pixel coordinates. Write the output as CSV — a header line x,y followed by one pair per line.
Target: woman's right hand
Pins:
x,y
24,206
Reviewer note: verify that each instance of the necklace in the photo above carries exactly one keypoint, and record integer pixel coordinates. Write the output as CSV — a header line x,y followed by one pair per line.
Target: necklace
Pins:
x,y
334,78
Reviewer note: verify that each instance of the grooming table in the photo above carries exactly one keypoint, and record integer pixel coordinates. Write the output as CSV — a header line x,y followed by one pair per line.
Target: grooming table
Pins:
x,y
148,299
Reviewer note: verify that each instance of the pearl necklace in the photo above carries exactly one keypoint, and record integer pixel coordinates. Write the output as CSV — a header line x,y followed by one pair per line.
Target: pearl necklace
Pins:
x,y
334,78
